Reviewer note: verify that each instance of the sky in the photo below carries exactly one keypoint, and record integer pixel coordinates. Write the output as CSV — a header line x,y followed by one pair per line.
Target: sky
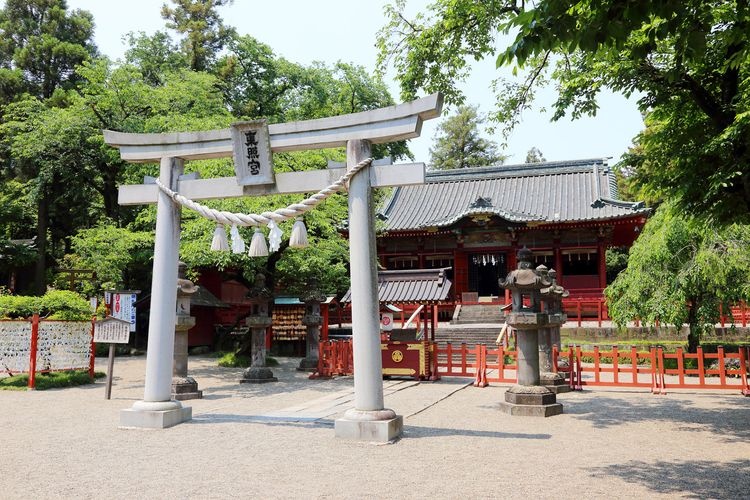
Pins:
x,y
304,31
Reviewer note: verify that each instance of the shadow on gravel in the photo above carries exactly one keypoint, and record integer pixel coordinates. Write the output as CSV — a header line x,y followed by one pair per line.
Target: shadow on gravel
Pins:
x,y
692,479
222,418
430,432
727,418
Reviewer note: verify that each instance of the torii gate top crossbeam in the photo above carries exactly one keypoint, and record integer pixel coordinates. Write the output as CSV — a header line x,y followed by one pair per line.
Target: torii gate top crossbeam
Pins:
x,y
394,123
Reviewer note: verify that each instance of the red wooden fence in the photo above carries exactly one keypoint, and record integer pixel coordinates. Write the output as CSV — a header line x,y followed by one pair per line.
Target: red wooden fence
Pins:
x,y
596,368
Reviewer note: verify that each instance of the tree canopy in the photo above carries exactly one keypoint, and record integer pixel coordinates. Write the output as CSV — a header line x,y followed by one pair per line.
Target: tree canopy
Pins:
x,y
458,143
60,180
680,270
686,62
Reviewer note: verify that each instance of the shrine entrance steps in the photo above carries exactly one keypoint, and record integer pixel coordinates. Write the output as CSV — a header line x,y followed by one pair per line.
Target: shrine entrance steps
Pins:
x,y
472,333
466,314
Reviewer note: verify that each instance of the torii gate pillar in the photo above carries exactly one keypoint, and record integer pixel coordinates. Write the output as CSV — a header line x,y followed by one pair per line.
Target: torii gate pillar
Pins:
x,y
368,420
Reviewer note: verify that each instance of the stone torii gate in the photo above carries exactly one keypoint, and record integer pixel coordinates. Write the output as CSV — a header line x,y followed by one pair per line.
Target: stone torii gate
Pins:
x,y
368,419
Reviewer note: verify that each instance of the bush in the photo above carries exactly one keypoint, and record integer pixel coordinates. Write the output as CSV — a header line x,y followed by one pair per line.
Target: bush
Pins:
x,y
55,304
231,360
50,380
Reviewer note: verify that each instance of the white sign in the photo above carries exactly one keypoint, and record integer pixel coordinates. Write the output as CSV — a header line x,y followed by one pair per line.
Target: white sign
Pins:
x,y
251,148
386,322
112,331
123,307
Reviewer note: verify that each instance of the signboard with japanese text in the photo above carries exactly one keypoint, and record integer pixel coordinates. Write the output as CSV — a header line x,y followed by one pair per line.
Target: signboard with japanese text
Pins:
x,y
122,306
112,331
251,146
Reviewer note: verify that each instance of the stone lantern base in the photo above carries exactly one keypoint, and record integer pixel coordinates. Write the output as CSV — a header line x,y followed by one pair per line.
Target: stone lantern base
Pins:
x,y
308,365
258,375
185,388
555,382
530,401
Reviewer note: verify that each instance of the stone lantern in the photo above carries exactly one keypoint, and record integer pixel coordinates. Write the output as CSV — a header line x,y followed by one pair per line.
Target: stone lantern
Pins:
x,y
183,387
552,297
528,397
258,321
312,320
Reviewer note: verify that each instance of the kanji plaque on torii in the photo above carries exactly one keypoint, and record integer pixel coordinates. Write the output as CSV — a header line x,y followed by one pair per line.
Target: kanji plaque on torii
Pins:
x,y
368,419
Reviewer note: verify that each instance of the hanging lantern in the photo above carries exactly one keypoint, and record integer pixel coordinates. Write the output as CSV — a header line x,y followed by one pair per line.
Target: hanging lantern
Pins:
x,y
274,236
219,242
298,239
238,244
258,247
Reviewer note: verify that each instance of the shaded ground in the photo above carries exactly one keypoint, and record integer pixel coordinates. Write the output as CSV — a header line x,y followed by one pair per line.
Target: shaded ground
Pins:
x,y
276,441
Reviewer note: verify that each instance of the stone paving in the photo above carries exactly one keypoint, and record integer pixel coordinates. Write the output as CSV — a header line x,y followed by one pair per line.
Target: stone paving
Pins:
x,y
277,441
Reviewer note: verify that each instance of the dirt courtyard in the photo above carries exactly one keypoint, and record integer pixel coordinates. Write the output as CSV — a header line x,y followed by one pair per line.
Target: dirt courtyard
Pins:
x,y
277,441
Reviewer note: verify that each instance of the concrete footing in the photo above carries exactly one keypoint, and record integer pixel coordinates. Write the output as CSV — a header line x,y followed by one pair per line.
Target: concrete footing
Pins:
x,y
155,415
258,375
184,388
379,426
530,401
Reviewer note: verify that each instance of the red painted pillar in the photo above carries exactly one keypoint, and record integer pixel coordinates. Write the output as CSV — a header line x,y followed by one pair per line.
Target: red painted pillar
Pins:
x,y
32,350
460,273
324,329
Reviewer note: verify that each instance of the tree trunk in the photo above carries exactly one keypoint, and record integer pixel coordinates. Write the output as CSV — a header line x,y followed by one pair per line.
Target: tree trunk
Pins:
x,y
694,333
40,275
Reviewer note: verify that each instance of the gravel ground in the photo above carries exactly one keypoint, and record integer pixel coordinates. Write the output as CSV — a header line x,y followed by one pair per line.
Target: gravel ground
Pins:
x,y
614,444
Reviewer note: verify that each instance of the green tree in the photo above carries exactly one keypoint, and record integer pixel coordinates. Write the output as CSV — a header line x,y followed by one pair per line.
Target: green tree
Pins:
x,y
205,34
534,155
41,43
44,42
119,257
458,144
686,60
155,56
680,271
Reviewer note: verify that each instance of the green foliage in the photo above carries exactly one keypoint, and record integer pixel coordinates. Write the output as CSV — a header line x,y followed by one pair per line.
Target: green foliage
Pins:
x,y
203,29
680,270
231,360
55,304
110,251
44,42
457,143
687,61
534,155
617,261
51,380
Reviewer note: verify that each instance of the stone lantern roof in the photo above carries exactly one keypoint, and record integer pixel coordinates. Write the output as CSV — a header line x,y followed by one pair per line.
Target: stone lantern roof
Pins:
x,y
524,277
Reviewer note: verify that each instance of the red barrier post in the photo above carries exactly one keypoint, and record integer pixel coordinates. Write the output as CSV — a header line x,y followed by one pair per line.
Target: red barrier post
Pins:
x,y
743,370
701,366
722,367
680,366
32,350
634,363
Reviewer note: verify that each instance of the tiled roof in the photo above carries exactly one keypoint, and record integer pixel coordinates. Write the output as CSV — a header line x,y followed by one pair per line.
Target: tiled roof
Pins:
x,y
411,285
549,192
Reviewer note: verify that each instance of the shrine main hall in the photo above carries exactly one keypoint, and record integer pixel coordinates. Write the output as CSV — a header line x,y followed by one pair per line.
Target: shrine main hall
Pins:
x,y
474,220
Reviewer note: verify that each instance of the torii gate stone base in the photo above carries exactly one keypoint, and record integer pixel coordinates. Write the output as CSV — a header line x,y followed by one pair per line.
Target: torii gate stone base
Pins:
x,y
368,420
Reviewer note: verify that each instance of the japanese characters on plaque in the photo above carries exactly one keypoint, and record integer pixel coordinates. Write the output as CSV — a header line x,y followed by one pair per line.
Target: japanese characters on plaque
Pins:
x,y
112,331
253,162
